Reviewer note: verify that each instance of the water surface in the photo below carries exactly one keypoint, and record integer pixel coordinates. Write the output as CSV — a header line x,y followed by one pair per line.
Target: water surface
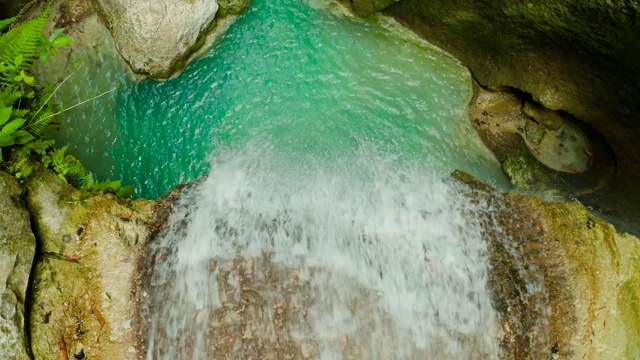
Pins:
x,y
311,81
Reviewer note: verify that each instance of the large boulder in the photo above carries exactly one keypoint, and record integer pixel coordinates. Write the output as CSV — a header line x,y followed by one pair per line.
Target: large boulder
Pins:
x,y
85,287
17,249
157,37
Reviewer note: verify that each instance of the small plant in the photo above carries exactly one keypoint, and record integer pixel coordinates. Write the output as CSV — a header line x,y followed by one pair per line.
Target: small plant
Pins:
x,y
26,111
67,166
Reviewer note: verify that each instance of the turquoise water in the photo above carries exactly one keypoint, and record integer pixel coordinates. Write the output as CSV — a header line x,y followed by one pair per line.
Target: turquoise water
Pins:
x,y
313,83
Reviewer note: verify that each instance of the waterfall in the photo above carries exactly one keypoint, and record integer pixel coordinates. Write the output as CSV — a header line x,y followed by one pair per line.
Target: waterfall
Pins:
x,y
366,257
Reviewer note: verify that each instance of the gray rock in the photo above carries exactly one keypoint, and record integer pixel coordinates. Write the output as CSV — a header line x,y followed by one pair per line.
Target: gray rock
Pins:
x,y
157,37
17,249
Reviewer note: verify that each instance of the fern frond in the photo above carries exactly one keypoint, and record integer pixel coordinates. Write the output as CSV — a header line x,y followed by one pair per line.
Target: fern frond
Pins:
x,y
38,125
24,40
20,113
83,180
9,95
4,24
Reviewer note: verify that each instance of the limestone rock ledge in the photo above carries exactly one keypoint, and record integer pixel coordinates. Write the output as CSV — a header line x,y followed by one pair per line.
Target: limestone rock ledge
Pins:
x,y
157,37
85,298
17,249
566,283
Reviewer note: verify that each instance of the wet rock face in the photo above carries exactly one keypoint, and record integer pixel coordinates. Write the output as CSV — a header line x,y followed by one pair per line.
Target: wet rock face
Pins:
x,y
17,249
85,288
565,282
157,37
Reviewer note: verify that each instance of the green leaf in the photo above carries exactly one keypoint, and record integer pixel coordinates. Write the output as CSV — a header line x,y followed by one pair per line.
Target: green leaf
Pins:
x,y
13,126
56,34
44,56
18,60
115,185
6,140
100,185
28,79
125,191
62,41
5,114
22,137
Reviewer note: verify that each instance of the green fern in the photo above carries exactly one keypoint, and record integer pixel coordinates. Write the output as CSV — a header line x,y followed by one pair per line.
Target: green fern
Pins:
x,y
22,41
4,24
38,125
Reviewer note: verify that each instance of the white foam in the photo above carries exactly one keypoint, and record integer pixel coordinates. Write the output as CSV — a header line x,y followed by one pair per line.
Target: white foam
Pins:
x,y
365,224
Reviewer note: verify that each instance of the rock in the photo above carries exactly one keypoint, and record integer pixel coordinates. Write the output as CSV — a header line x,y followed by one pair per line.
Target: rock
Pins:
x,y
231,7
562,279
549,119
524,173
575,56
566,149
157,37
540,149
17,250
10,8
86,283
364,8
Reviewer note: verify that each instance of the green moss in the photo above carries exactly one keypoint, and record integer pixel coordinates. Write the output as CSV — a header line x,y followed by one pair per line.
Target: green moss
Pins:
x,y
628,300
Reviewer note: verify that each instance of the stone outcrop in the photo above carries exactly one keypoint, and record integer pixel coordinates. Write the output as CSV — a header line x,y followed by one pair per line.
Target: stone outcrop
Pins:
x,y
17,250
565,282
157,37
85,289
575,56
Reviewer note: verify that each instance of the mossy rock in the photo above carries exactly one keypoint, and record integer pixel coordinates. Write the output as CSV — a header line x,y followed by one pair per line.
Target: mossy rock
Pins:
x,y
231,7
87,281
566,283
534,132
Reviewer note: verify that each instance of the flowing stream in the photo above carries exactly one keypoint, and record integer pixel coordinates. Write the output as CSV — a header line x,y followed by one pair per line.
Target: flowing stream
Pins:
x,y
326,227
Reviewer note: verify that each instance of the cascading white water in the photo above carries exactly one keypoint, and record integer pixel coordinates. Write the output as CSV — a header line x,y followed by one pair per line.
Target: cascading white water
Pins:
x,y
366,257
